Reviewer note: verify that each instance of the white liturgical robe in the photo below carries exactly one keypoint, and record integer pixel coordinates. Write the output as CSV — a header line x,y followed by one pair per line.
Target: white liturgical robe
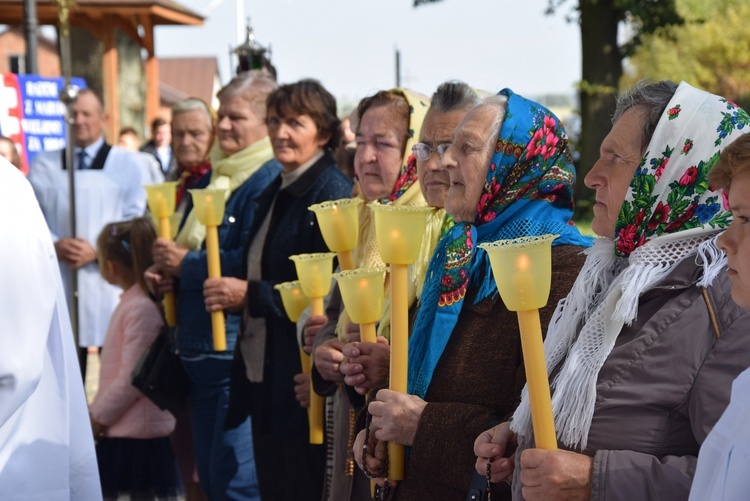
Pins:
x,y
46,443
112,193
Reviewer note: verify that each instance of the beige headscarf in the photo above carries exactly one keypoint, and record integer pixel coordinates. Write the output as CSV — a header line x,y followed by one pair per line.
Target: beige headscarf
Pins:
x,y
366,254
229,173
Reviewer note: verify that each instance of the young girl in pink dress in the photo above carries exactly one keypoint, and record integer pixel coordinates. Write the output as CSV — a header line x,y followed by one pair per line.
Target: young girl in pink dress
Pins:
x,y
133,451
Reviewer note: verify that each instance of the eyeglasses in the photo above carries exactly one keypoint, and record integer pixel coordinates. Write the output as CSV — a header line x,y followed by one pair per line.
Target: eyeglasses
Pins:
x,y
423,151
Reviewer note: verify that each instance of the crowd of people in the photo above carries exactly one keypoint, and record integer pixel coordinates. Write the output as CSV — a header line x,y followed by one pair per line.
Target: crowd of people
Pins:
x,y
645,329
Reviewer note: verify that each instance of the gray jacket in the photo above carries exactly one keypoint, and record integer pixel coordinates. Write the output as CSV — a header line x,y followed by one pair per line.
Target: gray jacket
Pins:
x,y
663,387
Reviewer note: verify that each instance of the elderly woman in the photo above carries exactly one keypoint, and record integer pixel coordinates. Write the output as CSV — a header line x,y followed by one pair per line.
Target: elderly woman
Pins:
x,y
504,183
366,365
244,166
388,126
643,350
304,128
193,124
724,462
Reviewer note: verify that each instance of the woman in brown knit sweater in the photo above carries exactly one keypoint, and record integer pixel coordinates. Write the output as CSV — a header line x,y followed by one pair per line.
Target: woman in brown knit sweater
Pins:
x,y
510,176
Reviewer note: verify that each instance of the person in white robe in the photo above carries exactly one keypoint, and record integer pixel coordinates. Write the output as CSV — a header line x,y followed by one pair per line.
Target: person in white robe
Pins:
x,y
46,442
107,190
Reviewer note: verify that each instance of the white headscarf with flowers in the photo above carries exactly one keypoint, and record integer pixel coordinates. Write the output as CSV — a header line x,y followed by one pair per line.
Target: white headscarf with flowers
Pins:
x,y
670,213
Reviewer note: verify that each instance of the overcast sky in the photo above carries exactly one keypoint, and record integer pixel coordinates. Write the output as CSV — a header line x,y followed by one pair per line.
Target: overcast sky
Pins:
x,y
349,44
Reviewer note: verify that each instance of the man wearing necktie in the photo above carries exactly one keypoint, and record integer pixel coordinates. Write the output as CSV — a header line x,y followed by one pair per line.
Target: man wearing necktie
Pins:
x,y
108,188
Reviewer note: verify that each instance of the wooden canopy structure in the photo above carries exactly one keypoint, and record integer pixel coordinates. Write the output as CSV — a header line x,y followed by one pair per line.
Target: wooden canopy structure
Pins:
x,y
135,18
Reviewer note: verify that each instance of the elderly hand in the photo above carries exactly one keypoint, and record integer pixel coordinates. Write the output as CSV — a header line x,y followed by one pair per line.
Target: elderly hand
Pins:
x,y
328,359
310,331
169,255
224,293
352,332
367,364
156,283
498,443
559,474
377,452
395,416
74,252
302,390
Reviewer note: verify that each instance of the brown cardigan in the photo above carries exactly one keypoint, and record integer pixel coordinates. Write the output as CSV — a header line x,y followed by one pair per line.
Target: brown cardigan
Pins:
x,y
478,380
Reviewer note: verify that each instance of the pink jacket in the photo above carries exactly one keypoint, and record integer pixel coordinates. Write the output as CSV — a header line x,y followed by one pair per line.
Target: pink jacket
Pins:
x,y
118,405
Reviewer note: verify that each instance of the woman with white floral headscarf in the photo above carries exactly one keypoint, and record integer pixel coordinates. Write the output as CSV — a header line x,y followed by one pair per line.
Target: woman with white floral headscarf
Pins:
x,y
643,350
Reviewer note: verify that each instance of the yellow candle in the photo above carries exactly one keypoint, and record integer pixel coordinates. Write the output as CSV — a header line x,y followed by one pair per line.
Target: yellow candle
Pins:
x,y
346,262
214,271
316,306
536,379
367,332
399,355
170,312
315,409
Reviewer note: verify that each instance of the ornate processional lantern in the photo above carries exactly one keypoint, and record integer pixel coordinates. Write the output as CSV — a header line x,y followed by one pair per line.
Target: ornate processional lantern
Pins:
x,y
251,55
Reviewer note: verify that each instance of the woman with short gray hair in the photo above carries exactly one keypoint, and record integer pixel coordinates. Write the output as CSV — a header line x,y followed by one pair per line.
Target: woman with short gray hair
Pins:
x,y
642,352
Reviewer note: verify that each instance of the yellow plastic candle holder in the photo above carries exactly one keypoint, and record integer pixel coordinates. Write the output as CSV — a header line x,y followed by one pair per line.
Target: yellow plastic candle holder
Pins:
x,y
339,224
293,299
161,198
315,274
161,201
522,268
363,295
209,205
209,209
399,231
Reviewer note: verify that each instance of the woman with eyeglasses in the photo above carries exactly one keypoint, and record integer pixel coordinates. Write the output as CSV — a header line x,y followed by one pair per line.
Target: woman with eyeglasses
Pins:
x,y
465,360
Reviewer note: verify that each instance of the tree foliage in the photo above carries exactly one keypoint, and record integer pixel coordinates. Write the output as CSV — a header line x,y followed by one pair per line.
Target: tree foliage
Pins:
x,y
709,51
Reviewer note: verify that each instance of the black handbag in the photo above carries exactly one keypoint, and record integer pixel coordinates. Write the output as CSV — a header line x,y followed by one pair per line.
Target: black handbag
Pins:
x,y
159,374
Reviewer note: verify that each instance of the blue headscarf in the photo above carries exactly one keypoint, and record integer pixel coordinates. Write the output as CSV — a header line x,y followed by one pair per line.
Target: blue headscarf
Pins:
x,y
528,191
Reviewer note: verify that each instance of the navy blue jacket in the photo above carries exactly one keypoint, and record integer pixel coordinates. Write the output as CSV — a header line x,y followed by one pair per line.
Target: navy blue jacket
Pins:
x,y
293,230
194,335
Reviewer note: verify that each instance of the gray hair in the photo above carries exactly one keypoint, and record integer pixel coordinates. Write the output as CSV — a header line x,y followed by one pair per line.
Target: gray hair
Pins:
x,y
253,86
194,104
500,102
453,95
652,99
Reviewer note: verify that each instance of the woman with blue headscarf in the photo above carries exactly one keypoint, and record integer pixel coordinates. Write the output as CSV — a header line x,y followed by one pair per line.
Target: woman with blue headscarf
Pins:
x,y
510,176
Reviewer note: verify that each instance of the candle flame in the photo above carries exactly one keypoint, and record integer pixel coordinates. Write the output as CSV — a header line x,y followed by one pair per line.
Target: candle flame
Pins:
x,y
208,199
523,262
395,234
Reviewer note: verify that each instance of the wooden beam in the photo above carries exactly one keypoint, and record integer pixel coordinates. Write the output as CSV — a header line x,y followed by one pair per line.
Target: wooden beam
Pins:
x,y
110,63
152,70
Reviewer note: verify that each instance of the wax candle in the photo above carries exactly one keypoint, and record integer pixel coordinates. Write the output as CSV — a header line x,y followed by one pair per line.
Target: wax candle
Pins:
x,y
214,271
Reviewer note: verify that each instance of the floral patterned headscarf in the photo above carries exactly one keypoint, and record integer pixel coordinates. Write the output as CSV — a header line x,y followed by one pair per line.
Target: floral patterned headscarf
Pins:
x,y
670,191
670,213
528,191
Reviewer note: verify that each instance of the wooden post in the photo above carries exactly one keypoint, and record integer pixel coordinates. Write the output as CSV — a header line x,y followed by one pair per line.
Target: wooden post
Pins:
x,y
152,71
110,69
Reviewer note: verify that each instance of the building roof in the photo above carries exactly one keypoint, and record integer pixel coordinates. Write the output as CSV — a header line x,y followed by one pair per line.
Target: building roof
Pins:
x,y
182,77
159,11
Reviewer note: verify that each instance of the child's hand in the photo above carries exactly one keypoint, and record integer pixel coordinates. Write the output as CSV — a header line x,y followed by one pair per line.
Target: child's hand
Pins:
x,y
97,428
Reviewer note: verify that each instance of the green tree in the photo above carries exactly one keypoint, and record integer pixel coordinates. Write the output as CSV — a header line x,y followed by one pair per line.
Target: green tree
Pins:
x,y
708,51
602,63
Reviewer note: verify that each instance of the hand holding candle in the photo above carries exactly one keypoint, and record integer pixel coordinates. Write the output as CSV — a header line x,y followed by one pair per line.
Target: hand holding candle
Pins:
x,y
161,202
399,231
523,269
314,272
209,208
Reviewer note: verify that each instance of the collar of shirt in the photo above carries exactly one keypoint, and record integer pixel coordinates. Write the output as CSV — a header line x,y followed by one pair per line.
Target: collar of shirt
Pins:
x,y
91,151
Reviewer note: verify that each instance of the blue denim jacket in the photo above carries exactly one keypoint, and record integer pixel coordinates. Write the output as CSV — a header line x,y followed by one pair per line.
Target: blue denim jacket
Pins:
x,y
194,335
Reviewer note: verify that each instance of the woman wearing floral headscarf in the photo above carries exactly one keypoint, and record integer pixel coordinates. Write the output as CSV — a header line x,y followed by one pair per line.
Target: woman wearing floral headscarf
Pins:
x,y
643,350
465,362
